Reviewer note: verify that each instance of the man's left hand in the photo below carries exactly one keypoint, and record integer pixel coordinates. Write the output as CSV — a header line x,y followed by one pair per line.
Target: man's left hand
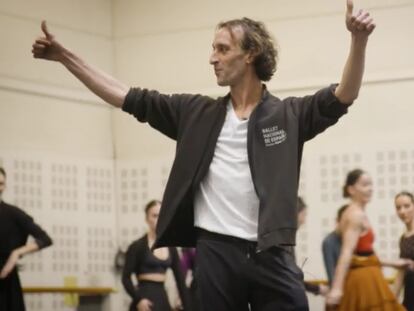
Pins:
x,y
359,24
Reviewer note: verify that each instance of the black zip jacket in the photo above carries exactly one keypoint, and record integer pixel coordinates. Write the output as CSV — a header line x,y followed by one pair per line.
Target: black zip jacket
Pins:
x,y
277,130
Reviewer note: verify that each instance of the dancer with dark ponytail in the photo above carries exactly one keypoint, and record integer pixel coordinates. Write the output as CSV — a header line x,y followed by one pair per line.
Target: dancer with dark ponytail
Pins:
x,y
358,283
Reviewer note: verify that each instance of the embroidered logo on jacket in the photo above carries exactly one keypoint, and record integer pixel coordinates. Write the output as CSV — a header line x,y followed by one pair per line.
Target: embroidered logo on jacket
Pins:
x,y
273,136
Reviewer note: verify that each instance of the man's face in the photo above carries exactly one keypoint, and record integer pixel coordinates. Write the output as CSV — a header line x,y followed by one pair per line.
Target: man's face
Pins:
x,y
229,60
2,184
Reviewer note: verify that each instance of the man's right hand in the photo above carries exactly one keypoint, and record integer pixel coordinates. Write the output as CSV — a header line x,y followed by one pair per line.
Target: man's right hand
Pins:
x,y
47,47
144,305
103,85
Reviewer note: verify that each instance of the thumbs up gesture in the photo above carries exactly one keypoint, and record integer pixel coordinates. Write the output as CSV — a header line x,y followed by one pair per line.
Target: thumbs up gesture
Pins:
x,y
47,47
360,23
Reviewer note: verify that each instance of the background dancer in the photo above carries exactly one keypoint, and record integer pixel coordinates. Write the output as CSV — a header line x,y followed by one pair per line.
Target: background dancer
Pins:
x,y
358,283
404,205
331,246
316,289
15,228
150,268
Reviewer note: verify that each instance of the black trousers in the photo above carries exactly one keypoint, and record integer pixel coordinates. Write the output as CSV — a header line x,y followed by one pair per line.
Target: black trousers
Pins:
x,y
155,292
232,276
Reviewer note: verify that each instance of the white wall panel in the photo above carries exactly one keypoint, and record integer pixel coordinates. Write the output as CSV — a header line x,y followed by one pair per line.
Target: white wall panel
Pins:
x,y
36,124
92,16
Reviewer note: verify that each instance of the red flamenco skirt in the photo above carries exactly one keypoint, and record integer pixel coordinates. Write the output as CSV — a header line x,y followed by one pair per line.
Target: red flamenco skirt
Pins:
x,y
366,289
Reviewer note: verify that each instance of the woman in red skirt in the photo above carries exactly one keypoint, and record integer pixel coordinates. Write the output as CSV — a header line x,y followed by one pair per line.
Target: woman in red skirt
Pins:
x,y
359,284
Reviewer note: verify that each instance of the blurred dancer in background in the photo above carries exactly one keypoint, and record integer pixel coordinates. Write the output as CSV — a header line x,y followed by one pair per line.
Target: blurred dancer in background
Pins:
x,y
149,268
404,205
331,246
358,283
15,227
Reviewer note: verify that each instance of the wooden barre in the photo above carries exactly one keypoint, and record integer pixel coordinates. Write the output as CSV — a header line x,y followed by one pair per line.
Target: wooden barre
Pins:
x,y
110,290
69,290
325,282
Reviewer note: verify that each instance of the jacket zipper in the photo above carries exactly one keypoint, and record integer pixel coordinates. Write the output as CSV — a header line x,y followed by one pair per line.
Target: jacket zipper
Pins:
x,y
250,132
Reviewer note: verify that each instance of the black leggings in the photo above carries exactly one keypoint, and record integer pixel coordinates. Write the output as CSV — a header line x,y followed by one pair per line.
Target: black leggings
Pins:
x,y
155,292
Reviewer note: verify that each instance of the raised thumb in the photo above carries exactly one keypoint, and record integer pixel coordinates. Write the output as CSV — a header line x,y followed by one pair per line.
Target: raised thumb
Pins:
x,y
45,30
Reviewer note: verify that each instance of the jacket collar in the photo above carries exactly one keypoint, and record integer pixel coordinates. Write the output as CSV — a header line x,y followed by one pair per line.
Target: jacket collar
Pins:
x,y
265,94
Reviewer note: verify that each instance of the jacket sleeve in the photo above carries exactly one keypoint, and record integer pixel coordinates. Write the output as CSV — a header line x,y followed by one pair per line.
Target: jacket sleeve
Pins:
x,y
179,278
161,111
317,112
29,227
133,254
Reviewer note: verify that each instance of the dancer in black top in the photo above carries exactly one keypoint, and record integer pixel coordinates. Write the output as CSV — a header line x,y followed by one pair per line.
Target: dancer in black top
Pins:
x,y
15,227
404,205
150,269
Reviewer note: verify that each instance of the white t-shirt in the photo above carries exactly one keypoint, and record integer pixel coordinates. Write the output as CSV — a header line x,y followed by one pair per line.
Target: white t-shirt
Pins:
x,y
226,201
